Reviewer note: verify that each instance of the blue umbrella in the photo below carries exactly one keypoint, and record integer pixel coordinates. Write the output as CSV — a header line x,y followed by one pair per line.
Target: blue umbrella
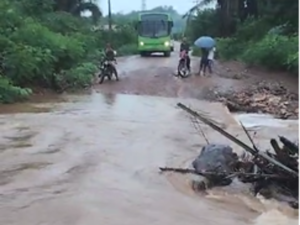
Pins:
x,y
205,42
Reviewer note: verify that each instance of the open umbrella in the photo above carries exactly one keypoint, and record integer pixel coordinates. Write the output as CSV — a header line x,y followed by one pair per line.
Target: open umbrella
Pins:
x,y
205,42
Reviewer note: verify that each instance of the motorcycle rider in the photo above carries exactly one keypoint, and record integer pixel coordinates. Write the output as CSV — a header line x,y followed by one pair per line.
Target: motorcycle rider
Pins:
x,y
110,57
184,46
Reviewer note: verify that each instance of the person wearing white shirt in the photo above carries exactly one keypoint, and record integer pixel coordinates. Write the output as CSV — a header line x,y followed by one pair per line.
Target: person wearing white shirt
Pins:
x,y
211,56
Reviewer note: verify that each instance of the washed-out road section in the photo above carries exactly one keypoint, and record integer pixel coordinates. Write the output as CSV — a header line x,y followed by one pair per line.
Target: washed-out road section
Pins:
x,y
94,159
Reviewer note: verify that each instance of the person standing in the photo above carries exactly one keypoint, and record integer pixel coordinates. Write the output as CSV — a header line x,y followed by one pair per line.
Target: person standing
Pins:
x,y
204,61
211,57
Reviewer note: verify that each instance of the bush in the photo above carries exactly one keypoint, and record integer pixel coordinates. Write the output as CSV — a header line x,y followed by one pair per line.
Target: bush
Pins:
x,y
77,77
274,52
49,49
230,48
10,93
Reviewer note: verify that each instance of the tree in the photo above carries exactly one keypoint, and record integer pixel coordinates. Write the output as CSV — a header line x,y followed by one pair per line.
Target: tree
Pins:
x,y
224,10
76,7
230,12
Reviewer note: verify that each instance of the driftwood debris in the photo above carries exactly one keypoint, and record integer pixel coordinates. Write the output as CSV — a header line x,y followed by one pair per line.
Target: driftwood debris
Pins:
x,y
263,169
253,151
262,97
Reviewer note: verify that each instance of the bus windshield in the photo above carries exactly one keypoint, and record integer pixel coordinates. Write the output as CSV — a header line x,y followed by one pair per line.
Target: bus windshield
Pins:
x,y
154,25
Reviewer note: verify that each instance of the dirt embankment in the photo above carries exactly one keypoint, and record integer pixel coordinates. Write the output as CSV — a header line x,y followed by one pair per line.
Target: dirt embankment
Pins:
x,y
263,98
263,91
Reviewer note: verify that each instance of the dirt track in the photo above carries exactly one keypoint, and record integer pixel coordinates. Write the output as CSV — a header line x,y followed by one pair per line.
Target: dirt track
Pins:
x,y
155,76
278,92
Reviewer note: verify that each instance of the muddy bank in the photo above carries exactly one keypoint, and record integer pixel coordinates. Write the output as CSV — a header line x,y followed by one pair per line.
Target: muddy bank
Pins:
x,y
262,97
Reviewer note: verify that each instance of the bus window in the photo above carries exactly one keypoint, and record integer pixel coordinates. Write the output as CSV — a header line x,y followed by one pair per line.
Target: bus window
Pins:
x,y
161,28
146,29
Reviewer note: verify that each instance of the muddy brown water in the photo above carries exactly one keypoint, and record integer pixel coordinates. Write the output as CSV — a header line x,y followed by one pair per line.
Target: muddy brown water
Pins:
x,y
93,159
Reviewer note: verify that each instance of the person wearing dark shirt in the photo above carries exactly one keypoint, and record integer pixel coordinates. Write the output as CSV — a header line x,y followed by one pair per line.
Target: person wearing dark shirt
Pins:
x,y
204,61
184,46
109,53
110,57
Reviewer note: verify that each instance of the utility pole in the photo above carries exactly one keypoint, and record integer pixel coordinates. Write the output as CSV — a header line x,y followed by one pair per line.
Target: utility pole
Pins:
x,y
109,16
144,6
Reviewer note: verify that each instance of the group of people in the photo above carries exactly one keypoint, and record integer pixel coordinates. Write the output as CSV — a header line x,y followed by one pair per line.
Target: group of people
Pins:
x,y
207,57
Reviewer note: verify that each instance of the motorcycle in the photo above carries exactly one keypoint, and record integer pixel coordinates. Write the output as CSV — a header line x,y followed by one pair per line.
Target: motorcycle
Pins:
x,y
182,68
107,69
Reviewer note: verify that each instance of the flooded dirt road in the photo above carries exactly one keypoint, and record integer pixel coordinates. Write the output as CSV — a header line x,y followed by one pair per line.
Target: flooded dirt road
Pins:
x,y
155,76
93,159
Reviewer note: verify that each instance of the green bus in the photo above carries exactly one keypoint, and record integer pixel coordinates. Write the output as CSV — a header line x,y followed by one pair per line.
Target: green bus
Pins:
x,y
154,33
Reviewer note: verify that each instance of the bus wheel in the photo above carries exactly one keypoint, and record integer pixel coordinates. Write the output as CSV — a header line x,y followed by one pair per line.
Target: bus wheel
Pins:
x,y
167,54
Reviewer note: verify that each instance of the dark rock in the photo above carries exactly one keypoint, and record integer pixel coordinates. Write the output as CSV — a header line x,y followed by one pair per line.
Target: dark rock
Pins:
x,y
215,158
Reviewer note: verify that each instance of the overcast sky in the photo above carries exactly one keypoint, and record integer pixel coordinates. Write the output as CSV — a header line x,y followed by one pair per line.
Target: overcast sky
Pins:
x,y
126,6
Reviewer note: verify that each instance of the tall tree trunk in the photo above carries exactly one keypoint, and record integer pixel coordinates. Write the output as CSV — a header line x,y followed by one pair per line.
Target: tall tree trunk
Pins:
x,y
109,16
228,15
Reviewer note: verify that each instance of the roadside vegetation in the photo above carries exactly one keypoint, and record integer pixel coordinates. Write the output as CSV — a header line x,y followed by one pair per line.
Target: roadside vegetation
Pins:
x,y
47,44
257,32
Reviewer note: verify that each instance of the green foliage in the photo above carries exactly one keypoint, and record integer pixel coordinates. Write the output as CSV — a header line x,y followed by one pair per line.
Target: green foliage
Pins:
x,y
205,23
10,93
275,52
230,48
256,43
40,46
80,76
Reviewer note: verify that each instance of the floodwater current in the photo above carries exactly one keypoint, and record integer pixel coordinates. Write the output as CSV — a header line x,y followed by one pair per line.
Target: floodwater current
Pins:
x,y
94,159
